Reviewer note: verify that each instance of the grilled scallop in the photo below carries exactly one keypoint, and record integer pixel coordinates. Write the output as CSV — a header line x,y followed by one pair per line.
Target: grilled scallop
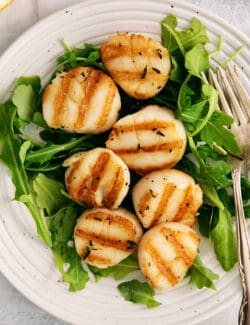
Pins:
x,y
104,238
166,252
138,64
82,100
97,177
149,139
166,195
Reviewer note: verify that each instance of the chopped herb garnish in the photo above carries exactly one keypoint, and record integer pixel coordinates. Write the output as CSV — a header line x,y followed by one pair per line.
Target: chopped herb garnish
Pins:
x,y
86,253
159,53
152,193
156,70
160,133
144,73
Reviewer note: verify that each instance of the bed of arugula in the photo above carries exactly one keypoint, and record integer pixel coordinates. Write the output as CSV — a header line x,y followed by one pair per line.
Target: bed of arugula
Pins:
x,y
35,162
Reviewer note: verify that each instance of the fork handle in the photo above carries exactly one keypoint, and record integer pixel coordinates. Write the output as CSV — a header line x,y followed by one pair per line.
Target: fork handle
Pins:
x,y
243,249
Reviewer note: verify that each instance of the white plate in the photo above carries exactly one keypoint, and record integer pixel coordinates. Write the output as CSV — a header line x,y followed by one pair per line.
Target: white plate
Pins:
x,y
24,260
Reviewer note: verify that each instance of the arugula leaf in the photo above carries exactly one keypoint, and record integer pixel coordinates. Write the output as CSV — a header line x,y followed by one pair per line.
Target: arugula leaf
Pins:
x,y
201,276
24,99
247,211
61,226
245,188
76,276
39,120
224,240
119,271
51,151
88,56
25,146
211,176
170,37
33,81
218,173
195,34
190,113
139,293
197,60
26,96
49,193
204,219
183,40
10,157
215,131
211,196
178,72
206,152
194,111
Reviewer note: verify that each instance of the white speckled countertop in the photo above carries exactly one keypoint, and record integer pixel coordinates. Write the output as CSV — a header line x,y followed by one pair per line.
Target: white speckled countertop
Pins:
x,y
21,14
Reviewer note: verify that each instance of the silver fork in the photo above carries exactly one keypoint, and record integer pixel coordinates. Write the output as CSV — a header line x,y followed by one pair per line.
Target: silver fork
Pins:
x,y
236,103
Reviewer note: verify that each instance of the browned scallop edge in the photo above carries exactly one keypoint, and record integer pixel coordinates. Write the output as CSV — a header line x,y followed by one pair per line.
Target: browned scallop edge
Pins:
x,y
98,170
168,190
117,182
90,83
104,239
108,101
73,171
98,260
168,146
148,169
183,254
153,125
164,267
188,208
144,205
145,75
113,51
60,98
90,80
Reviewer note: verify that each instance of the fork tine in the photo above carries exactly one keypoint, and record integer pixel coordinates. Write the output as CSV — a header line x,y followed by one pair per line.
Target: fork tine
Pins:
x,y
214,81
234,79
235,106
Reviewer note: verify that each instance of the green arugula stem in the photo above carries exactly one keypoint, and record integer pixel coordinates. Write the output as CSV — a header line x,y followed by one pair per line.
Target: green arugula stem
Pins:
x,y
66,45
219,149
219,47
232,57
41,223
212,107
78,58
194,150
